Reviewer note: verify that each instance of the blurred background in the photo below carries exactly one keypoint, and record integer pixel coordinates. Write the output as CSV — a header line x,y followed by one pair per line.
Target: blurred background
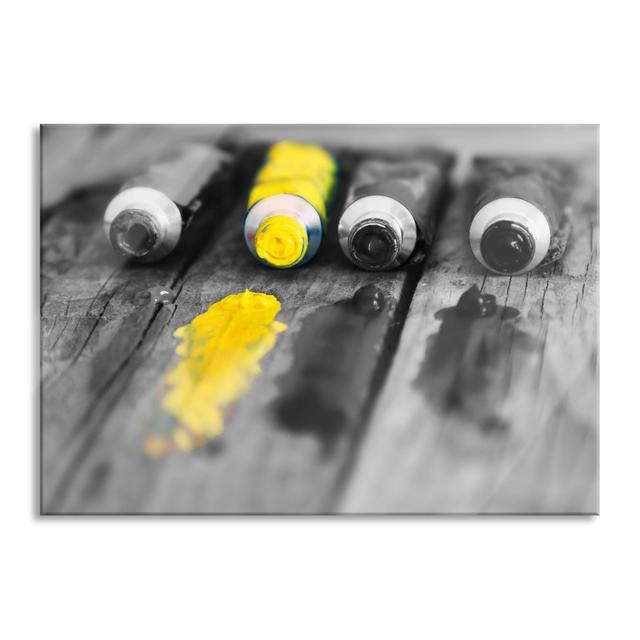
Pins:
x,y
77,156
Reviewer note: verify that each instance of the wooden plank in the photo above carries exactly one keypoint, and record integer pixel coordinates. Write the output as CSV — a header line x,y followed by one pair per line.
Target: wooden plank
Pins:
x,y
256,466
523,436
97,316
106,346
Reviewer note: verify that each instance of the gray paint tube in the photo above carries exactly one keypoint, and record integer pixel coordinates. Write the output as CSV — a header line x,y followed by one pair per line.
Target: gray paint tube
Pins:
x,y
391,208
521,218
146,219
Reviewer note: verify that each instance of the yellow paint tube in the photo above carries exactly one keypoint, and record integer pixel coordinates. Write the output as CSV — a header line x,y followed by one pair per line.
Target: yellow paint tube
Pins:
x,y
288,204
220,353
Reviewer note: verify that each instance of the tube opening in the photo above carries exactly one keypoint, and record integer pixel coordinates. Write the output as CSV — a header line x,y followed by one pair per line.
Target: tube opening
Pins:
x,y
133,233
374,245
507,247
137,236
281,241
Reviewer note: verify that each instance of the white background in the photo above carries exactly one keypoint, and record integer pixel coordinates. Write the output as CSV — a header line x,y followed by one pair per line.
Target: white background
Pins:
x,y
300,61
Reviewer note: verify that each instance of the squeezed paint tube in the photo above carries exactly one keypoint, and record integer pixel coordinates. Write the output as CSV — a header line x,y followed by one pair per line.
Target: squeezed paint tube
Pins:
x,y
391,208
521,219
288,204
148,216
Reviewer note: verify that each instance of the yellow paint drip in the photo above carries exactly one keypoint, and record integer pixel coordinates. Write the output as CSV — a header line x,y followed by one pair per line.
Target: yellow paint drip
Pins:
x,y
220,354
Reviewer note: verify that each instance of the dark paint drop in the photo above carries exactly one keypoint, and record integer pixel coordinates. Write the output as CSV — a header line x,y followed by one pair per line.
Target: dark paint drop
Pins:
x,y
466,368
474,304
335,357
369,299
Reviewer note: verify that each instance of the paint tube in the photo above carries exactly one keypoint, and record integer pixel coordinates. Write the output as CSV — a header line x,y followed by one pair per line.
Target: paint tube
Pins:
x,y
288,204
391,208
148,216
521,219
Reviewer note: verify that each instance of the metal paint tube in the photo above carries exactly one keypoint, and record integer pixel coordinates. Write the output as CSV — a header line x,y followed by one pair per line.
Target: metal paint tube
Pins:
x,y
522,207
391,209
146,219
288,204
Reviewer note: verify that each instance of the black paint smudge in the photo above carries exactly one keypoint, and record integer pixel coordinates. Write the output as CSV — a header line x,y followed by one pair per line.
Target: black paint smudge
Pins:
x,y
335,356
473,304
368,300
466,366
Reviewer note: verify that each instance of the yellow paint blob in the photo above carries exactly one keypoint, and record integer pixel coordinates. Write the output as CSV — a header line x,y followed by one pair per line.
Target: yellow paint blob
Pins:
x,y
220,353
304,170
281,241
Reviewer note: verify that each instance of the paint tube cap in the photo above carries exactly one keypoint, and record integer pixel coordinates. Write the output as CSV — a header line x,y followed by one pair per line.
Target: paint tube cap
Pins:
x,y
281,241
134,233
507,246
373,245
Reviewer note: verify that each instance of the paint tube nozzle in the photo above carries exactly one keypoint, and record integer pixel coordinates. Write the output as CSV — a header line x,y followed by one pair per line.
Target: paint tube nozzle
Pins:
x,y
373,244
134,233
507,246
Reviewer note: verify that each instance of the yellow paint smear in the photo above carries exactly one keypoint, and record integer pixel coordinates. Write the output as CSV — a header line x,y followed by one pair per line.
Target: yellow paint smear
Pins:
x,y
220,353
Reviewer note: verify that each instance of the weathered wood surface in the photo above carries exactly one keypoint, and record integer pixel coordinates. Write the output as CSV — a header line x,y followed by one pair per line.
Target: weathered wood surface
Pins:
x,y
98,323
106,346
529,444
102,387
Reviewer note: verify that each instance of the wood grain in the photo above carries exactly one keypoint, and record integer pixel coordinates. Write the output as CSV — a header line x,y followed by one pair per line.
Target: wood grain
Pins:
x,y
98,320
419,458
112,395
106,346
